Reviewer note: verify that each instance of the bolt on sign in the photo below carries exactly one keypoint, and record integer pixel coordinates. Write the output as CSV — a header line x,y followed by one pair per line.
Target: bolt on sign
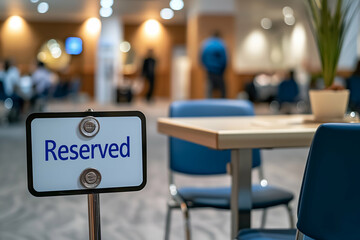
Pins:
x,y
85,152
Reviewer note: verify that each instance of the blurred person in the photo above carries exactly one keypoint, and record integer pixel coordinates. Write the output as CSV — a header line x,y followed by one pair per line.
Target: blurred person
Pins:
x,y
214,59
1,69
353,84
11,78
25,86
288,91
2,75
148,71
41,80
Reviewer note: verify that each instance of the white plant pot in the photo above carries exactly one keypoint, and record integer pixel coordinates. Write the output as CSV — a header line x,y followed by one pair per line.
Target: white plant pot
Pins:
x,y
329,104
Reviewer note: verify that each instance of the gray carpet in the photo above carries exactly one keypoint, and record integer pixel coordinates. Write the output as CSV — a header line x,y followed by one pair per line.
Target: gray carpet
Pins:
x,y
136,215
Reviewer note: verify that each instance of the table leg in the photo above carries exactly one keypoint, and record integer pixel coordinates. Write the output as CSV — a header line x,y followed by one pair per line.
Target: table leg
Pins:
x,y
241,164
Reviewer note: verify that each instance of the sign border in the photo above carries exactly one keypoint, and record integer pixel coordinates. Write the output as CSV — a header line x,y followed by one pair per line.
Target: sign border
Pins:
x,y
33,116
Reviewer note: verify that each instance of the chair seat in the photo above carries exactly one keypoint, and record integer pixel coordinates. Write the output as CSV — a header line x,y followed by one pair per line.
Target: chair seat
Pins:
x,y
219,197
267,234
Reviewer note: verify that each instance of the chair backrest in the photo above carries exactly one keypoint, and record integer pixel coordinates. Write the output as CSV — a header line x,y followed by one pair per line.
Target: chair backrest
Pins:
x,y
288,91
354,87
190,158
329,204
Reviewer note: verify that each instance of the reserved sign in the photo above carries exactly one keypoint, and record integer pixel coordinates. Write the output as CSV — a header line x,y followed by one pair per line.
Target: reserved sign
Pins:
x,y
86,152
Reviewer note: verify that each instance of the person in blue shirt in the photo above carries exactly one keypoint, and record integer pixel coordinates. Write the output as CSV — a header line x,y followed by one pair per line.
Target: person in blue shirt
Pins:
x,y
214,59
288,91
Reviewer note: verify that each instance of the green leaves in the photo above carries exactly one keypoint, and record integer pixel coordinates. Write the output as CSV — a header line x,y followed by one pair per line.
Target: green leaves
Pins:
x,y
329,29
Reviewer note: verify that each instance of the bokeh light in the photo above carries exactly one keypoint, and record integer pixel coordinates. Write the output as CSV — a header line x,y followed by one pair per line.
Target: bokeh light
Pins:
x,y
125,47
106,3
289,20
288,11
266,23
53,54
176,4
43,7
166,13
106,12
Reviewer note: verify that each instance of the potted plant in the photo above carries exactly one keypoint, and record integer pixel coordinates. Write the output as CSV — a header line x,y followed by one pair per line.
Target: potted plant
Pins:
x,y
330,24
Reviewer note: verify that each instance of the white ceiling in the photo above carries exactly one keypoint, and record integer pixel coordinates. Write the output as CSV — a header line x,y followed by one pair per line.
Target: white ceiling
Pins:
x,y
79,10
134,11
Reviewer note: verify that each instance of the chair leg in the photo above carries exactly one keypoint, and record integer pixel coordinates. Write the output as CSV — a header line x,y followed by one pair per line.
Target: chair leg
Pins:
x,y
263,218
168,222
185,211
291,217
299,235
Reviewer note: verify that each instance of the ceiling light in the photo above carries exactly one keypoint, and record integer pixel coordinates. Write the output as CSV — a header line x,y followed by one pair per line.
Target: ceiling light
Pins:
x,y
289,20
288,11
176,4
106,3
34,1
43,7
266,23
125,47
152,28
93,25
15,22
166,13
106,12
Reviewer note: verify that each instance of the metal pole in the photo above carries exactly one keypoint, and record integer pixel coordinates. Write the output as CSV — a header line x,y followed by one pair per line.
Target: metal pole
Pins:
x,y
94,216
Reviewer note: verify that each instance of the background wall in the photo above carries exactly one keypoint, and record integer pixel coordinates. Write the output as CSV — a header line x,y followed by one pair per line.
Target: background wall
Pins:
x,y
22,45
162,43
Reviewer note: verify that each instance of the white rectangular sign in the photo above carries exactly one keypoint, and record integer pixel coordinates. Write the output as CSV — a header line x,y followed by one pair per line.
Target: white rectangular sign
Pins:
x,y
86,152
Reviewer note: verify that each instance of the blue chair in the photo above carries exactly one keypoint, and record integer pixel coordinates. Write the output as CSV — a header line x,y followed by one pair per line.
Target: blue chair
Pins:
x,y
353,84
288,91
192,159
329,202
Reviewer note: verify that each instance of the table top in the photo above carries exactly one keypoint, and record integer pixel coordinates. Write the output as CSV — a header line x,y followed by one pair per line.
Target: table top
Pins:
x,y
270,131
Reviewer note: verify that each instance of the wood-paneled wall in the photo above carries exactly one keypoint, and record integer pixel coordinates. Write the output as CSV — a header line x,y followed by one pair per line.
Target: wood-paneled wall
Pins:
x,y
23,46
162,44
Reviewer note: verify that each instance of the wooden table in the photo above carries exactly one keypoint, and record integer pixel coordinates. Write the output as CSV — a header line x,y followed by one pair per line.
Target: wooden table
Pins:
x,y
240,135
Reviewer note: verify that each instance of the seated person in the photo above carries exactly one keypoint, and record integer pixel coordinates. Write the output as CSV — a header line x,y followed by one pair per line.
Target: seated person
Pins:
x,y
288,90
41,79
288,94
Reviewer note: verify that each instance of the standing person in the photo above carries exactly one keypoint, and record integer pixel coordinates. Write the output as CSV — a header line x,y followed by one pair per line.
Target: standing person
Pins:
x,y
11,78
214,59
2,76
148,71
41,80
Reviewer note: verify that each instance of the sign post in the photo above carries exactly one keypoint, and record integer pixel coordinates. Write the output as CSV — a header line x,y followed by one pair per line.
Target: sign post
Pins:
x,y
94,216
86,153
